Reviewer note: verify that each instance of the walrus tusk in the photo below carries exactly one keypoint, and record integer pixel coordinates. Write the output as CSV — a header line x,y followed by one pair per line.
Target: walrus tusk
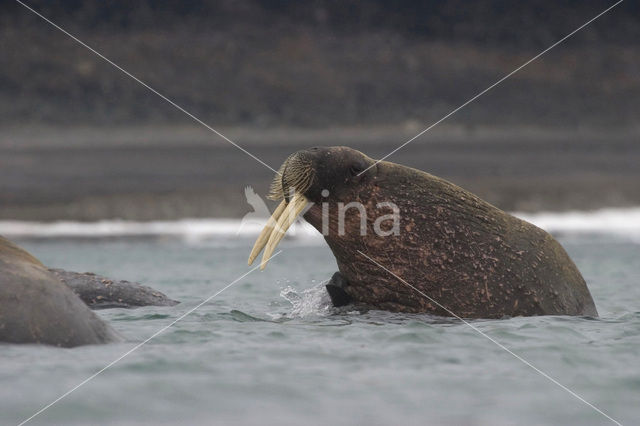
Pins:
x,y
296,205
266,232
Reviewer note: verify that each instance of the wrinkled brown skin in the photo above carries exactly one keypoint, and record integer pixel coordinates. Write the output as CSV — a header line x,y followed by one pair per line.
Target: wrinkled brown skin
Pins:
x,y
36,307
469,256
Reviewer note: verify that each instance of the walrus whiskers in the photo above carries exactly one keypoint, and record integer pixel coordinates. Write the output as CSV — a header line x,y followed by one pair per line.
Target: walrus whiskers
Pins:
x,y
296,174
276,192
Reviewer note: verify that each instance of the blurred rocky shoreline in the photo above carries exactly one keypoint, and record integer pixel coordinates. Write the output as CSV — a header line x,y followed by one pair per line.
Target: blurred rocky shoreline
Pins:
x,y
79,140
159,172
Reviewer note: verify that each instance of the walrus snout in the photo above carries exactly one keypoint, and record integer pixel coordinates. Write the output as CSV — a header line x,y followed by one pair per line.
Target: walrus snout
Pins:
x,y
295,175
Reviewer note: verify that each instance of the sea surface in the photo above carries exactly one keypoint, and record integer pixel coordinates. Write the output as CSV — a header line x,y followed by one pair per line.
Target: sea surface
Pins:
x,y
270,350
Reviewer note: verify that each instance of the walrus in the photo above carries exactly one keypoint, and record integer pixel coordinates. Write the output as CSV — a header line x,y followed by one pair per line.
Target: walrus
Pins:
x,y
36,307
100,292
470,258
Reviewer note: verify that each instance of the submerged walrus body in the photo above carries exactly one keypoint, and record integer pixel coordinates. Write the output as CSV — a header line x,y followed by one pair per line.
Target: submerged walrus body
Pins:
x,y
463,253
36,307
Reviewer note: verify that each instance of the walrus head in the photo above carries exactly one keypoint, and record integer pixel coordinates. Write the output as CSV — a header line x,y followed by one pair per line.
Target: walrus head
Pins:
x,y
453,247
309,181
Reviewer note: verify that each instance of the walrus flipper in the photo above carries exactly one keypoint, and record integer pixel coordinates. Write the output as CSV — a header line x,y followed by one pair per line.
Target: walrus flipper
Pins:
x,y
99,292
335,288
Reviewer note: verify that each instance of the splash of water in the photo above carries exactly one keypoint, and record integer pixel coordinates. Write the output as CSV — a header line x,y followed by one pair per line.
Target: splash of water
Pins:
x,y
313,301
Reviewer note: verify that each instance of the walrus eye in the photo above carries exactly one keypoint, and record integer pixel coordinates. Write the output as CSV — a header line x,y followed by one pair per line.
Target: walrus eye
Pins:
x,y
355,169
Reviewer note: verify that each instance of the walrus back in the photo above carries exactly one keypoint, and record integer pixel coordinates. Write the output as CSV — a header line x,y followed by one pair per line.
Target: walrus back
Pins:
x,y
36,307
532,266
473,258
559,287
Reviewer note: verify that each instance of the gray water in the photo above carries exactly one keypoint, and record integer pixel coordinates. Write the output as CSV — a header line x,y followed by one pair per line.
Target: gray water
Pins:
x,y
270,349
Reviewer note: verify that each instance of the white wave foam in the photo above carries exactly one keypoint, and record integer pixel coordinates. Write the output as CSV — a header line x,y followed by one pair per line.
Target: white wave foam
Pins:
x,y
613,221
610,221
186,228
